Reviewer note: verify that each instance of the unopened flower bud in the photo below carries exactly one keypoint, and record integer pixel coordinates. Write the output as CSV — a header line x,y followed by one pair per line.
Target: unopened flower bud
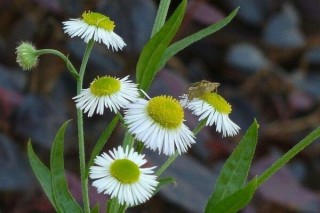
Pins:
x,y
27,56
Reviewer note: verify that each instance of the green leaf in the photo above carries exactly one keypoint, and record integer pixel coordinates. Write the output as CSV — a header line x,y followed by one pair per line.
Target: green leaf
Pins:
x,y
152,52
63,199
42,173
162,182
289,155
161,16
236,201
180,45
128,140
95,209
235,170
113,206
101,142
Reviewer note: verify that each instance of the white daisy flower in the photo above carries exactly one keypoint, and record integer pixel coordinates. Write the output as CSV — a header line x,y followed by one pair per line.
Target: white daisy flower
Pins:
x,y
158,123
215,109
94,26
120,175
106,92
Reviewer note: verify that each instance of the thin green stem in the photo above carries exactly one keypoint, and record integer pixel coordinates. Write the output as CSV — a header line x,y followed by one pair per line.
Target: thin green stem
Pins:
x,y
201,124
84,179
120,117
173,157
288,156
161,16
167,164
70,66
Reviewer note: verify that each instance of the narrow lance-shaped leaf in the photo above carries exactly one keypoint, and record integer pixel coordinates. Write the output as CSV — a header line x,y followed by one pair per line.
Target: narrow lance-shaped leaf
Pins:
x,y
128,140
152,52
161,16
113,206
313,136
183,43
63,199
42,173
235,170
236,201
102,141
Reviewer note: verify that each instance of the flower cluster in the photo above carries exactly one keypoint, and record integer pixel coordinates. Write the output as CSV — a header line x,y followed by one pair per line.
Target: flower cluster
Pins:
x,y
158,122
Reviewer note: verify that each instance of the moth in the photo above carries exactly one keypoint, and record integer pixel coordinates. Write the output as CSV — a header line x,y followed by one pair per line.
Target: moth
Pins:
x,y
197,89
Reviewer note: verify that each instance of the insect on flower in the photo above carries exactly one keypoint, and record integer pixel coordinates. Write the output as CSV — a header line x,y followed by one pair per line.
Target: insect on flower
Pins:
x,y
197,89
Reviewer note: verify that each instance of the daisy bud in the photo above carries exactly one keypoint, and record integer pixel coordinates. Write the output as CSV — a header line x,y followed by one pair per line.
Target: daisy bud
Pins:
x,y
27,56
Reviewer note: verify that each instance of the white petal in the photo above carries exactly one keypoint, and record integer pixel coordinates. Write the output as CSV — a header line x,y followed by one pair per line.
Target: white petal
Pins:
x,y
131,194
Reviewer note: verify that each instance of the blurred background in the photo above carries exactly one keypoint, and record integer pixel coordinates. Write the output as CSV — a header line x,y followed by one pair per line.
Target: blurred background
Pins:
x,y
267,61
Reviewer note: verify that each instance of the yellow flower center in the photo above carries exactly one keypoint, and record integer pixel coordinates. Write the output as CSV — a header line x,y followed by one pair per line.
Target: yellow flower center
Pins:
x,y
125,171
166,111
217,102
104,86
98,20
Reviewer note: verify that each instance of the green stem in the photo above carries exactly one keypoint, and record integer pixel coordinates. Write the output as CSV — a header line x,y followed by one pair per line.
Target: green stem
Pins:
x,y
120,117
70,66
167,164
288,156
161,16
84,179
172,158
201,124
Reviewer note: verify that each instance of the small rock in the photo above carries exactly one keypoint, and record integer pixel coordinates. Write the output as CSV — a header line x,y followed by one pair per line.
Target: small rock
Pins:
x,y
39,118
247,57
252,12
283,29
15,173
